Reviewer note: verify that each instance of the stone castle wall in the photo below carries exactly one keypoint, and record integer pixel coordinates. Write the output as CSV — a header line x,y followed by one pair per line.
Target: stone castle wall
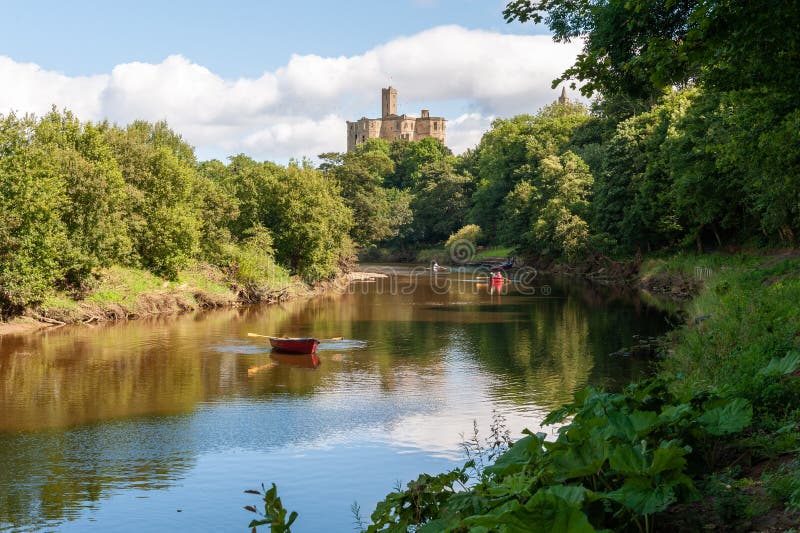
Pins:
x,y
392,126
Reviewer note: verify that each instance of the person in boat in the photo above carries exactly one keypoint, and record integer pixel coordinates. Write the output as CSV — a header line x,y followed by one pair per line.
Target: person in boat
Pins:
x,y
496,277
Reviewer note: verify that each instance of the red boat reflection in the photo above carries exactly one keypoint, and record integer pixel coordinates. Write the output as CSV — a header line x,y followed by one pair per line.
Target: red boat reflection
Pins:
x,y
310,360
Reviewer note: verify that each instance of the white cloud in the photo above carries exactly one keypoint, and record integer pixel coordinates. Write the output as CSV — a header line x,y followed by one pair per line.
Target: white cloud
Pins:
x,y
465,131
300,108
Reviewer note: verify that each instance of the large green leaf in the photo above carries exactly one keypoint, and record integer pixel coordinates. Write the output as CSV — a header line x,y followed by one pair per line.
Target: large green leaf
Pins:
x,y
631,426
628,460
581,459
638,495
516,457
782,366
643,422
544,512
731,418
672,413
668,456
574,494
620,425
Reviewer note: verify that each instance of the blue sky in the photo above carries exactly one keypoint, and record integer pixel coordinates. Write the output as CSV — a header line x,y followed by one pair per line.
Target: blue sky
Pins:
x,y
275,79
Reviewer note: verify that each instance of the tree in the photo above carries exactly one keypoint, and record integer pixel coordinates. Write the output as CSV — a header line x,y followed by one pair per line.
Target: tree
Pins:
x,y
252,184
310,223
512,151
441,200
164,212
94,214
220,209
378,212
410,156
639,48
33,237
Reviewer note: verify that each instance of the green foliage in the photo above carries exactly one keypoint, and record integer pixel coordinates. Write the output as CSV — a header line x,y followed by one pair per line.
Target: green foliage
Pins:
x,y
312,223
533,193
94,217
422,501
638,48
220,210
253,266
164,211
783,484
378,212
705,150
470,233
77,198
440,201
409,157
274,514
33,198
621,460
749,338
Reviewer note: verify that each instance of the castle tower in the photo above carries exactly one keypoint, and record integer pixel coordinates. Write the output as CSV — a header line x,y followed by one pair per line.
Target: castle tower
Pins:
x,y
388,101
393,127
563,98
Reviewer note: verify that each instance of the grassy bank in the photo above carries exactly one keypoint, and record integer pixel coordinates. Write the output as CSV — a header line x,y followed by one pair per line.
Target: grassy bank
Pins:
x,y
711,442
126,293
439,254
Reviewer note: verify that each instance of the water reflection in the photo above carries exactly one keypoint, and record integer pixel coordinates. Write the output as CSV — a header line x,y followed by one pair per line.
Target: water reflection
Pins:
x,y
298,361
96,418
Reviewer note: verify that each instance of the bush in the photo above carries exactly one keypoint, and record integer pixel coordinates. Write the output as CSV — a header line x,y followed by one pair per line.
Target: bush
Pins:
x,y
462,245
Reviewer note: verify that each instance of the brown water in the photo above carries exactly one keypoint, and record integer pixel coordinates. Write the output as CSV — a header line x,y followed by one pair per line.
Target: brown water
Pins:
x,y
161,424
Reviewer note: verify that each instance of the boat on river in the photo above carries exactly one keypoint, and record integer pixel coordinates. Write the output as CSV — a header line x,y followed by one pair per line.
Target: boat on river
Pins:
x,y
294,345
499,268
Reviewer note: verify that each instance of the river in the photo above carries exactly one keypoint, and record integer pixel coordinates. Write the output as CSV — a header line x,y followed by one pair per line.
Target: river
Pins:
x,y
161,424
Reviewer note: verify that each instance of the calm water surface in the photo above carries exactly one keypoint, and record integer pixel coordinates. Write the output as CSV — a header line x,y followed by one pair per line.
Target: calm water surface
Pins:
x,y
158,425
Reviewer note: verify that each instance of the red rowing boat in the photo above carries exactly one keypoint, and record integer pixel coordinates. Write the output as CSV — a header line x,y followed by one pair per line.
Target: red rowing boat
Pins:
x,y
298,345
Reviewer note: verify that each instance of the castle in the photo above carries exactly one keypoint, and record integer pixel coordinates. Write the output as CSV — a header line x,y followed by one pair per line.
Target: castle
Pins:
x,y
392,126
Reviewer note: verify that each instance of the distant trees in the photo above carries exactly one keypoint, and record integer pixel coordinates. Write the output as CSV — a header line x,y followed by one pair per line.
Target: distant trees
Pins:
x,y
401,193
378,211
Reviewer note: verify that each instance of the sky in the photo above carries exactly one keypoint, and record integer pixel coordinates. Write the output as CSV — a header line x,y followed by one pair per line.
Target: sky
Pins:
x,y
275,79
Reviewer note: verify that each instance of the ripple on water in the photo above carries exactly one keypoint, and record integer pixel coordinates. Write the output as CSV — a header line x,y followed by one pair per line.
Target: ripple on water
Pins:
x,y
239,347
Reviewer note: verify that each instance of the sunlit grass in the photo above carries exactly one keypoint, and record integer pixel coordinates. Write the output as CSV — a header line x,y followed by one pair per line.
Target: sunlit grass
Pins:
x,y
749,314
702,266
123,286
495,252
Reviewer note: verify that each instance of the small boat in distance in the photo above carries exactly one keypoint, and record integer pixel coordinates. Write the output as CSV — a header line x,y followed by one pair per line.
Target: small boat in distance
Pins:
x,y
296,345
499,268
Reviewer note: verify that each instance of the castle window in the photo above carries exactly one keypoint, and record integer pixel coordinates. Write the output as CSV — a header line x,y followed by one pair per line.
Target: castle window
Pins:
x,y
435,125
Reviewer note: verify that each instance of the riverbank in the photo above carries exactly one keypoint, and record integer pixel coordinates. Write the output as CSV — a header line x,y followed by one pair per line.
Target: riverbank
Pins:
x,y
677,276
120,293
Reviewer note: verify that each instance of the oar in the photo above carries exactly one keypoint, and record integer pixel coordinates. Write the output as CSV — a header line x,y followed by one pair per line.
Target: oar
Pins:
x,y
268,336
